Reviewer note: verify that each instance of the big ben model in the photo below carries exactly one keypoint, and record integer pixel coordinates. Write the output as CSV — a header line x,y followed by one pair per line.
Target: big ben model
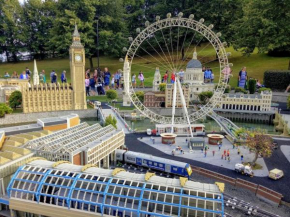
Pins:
x,y
77,71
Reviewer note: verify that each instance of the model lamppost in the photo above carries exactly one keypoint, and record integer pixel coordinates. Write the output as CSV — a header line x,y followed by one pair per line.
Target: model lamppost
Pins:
x,y
98,54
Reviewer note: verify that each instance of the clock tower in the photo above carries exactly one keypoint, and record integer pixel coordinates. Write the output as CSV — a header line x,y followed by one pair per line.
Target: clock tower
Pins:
x,y
77,71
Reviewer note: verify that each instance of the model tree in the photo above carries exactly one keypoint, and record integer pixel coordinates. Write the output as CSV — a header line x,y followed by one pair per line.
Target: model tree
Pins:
x,y
111,94
4,109
140,95
260,143
162,87
111,121
15,99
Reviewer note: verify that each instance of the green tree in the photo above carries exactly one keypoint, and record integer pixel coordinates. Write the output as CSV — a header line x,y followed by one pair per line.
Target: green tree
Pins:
x,y
264,25
288,102
12,34
260,143
252,86
111,94
15,99
111,121
140,95
162,87
205,96
38,18
4,109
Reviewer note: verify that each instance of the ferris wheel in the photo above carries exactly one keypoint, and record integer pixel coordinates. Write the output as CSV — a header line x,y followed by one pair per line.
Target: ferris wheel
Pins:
x,y
169,30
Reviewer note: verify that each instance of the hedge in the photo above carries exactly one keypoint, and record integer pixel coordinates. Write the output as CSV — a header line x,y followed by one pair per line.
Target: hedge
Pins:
x,y
252,86
277,79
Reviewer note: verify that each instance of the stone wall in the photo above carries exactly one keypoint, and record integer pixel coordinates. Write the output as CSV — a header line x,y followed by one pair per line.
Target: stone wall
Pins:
x,y
32,117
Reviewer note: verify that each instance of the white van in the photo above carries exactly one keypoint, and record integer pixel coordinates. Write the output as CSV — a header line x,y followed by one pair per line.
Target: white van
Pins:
x,y
149,132
98,103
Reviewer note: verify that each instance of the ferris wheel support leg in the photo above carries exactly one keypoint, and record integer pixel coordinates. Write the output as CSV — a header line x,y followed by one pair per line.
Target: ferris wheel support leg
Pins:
x,y
173,105
184,106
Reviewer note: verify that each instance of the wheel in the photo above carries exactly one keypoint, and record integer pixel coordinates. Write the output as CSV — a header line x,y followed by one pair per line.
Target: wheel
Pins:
x,y
172,61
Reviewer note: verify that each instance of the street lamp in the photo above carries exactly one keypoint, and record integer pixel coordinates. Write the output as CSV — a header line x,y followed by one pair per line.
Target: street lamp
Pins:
x,y
98,54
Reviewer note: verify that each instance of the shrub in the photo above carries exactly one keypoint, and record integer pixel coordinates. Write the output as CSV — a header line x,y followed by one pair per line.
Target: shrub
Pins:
x,y
140,95
111,121
205,96
228,89
240,90
111,94
277,80
252,86
15,99
162,87
4,109
264,89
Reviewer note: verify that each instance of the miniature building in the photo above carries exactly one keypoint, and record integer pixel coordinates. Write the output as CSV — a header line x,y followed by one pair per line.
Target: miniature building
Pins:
x,y
215,139
169,96
196,143
156,80
246,102
154,99
126,70
181,129
54,97
8,86
61,189
35,74
194,76
81,144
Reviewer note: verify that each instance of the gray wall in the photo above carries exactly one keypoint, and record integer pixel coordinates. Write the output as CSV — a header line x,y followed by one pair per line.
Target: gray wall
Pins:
x,y
32,117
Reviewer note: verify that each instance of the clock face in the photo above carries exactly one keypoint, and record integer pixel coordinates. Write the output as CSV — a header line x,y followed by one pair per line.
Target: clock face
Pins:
x,y
78,58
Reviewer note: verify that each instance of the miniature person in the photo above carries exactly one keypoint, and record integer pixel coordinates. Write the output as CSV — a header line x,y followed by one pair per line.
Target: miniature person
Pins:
x,y
239,151
205,152
242,158
219,146
213,152
180,151
229,159
222,156
225,152
228,153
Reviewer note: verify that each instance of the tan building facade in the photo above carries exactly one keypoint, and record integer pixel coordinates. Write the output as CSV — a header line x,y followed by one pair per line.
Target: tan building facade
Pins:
x,y
8,86
247,102
169,96
55,97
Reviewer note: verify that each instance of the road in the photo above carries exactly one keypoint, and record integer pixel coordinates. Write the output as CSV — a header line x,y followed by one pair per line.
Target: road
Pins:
x,y
277,160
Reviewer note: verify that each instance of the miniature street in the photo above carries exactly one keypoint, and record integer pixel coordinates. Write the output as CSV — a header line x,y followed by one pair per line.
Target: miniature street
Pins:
x,y
216,160
277,160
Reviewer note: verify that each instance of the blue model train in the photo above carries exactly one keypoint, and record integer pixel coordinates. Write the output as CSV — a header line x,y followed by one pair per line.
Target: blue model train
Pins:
x,y
152,162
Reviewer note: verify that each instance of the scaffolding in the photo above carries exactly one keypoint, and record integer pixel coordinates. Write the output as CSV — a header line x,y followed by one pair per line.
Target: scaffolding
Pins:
x,y
92,192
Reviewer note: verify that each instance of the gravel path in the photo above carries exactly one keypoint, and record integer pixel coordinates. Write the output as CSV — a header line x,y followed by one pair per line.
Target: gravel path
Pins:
x,y
277,160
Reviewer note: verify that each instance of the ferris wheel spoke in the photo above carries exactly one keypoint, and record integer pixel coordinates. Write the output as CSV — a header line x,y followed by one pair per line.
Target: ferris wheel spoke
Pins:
x,y
177,46
159,53
167,50
180,64
154,57
173,62
147,61
163,53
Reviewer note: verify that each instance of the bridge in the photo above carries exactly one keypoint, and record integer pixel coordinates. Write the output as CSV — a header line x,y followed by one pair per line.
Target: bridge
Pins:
x,y
226,125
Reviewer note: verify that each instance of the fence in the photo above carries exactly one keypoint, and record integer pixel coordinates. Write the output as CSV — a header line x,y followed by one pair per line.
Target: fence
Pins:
x,y
259,190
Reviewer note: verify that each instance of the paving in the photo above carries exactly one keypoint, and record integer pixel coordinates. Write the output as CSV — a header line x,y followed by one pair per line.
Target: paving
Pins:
x,y
286,151
209,158
277,160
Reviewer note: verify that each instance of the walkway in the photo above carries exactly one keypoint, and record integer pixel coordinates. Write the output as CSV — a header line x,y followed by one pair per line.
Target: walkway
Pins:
x,y
227,125
277,160
120,122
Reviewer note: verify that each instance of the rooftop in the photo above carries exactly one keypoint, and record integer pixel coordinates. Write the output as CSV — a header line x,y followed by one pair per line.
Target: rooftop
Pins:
x,y
95,190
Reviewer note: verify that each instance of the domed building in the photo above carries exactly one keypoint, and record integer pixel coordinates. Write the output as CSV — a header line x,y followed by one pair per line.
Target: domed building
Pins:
x,y
194,76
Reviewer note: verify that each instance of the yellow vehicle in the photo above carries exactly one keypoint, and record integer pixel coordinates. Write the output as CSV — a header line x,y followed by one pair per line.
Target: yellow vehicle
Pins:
x,y
276,174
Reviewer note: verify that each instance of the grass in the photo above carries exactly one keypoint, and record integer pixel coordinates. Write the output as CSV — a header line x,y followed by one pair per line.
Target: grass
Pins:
x,y
17,110
256,64
255,167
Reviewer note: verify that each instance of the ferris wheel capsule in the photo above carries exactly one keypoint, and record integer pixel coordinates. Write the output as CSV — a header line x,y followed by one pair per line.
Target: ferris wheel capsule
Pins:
x,y
201,20
168,15
147,23
138,30
191,16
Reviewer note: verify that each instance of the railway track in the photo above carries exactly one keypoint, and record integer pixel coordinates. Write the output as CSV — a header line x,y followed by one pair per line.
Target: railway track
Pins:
x,y
229,201
246,207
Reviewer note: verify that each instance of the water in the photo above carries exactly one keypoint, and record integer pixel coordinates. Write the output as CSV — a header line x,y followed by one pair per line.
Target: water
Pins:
x,y
210,126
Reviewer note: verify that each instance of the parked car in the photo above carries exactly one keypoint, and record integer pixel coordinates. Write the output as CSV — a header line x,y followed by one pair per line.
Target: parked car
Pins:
x,y
247,170
276,174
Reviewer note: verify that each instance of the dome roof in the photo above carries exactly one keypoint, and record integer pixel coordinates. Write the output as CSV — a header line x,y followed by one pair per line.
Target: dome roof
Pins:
x,y
194,64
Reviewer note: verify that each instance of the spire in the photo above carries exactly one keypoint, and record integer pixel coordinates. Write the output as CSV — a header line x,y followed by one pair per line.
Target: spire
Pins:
x,y
76,32
35,74
194,54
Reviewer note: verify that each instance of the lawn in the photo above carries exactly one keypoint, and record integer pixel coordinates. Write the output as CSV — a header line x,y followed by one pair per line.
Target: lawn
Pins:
x,y
256,64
